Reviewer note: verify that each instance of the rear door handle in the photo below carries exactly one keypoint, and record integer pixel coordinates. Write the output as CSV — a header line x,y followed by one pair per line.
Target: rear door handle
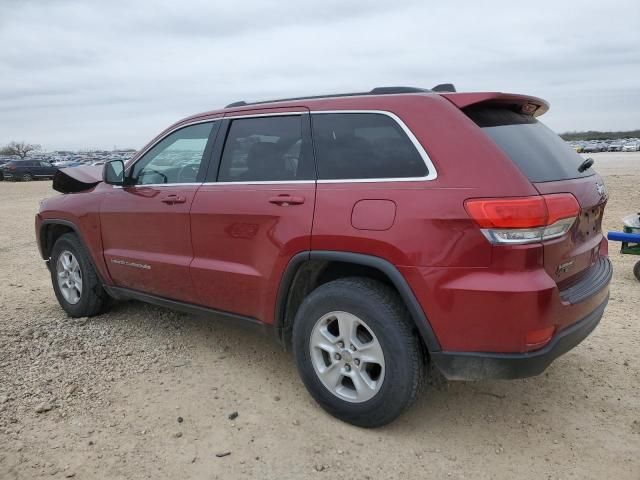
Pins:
x,y
286,199
172,199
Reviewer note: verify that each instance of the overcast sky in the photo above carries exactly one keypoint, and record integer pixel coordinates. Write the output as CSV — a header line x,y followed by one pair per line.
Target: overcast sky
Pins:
x,y
84,74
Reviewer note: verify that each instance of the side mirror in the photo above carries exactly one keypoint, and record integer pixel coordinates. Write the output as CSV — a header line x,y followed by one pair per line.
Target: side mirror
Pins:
x,y
113,173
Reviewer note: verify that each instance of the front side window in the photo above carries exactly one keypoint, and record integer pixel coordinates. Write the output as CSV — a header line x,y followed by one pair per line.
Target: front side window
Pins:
x,y
265,149
175,159
364,145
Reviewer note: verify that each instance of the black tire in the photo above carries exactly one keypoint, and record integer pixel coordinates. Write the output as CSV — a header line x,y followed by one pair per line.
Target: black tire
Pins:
x,y
27,177
93,298
636,270
380,307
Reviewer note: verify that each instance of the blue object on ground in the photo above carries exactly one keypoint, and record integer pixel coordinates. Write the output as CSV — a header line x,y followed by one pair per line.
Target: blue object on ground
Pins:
x,y
624,237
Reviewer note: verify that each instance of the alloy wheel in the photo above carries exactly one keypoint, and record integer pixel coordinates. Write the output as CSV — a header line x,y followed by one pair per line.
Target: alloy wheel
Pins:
x,y
347,357
69,277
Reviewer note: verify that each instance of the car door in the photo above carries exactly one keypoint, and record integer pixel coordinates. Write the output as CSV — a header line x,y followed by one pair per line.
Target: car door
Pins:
x,y
146,230
251,217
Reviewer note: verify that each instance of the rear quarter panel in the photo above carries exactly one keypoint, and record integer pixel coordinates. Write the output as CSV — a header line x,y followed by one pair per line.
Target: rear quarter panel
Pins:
x,y
431,226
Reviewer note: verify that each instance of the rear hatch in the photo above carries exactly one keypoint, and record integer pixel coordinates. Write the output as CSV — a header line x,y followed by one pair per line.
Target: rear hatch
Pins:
x,y
553,167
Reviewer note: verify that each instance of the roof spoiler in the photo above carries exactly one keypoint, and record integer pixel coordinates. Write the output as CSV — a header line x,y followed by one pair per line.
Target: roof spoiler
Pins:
x,y
526,103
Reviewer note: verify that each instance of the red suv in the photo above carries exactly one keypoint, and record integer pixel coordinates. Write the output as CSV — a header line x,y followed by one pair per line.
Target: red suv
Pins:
x,y
371,233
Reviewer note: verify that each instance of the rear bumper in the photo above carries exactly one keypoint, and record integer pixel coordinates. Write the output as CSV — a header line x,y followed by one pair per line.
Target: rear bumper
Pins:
x,y
476,366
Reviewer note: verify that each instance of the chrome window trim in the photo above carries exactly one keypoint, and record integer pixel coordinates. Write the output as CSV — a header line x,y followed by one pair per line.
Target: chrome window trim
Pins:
x,y
431,169
262,182
432,172
142,185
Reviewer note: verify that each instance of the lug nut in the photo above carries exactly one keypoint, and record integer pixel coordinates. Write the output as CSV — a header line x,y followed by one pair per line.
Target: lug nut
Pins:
x,y
338,356
357,362
341,344
352,347
347,367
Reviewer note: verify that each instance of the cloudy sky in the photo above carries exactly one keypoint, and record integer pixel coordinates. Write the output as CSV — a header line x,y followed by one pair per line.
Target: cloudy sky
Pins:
x,y
85,74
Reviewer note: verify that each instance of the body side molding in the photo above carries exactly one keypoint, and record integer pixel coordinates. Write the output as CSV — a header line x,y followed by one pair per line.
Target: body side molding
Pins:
x,y
120,293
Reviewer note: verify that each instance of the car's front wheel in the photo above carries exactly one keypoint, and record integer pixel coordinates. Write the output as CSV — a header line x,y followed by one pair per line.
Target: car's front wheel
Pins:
x,y
356,351
75,281
27,177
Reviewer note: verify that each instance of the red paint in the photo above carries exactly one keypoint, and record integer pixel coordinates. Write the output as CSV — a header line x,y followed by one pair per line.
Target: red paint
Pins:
x,y
141,228
242,242
373,215
227,246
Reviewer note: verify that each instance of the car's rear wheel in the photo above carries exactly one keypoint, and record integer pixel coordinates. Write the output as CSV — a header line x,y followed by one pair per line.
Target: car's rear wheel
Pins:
x,y
75,281
636,270
356,351
27,177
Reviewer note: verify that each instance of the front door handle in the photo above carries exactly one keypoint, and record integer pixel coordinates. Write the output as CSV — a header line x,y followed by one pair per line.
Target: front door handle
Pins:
x,y
286,200
172,199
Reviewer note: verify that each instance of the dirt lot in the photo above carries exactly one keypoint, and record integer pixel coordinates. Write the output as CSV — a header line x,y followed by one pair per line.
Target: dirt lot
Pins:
x,y
143,392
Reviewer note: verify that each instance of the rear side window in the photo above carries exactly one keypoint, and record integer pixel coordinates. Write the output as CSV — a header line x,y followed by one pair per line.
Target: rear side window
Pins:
x,y
351,146
265,149
539,153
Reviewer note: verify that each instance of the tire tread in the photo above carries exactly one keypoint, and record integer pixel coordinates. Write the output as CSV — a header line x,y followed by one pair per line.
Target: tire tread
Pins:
x,y
387,301
94,303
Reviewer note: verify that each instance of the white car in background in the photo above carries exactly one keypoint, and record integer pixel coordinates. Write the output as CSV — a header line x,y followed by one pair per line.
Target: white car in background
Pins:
x,y
631,147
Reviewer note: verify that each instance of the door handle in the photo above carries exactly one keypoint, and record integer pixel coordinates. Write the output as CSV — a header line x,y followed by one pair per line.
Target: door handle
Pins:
x,y
172,199
286,200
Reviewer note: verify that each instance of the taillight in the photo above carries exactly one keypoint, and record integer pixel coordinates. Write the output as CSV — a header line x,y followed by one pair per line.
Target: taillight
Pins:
x,y
524,219
12,168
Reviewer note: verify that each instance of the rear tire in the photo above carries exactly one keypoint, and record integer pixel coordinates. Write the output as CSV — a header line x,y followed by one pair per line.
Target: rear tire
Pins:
x,y
380,355
75,281
27,177
636,270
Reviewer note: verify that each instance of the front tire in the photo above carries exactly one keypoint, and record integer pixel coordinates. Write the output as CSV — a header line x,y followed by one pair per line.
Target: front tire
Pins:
x,y
75,282
27,177
356,351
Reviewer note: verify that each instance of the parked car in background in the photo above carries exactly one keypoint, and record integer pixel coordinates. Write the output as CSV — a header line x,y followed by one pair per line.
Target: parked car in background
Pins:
x,y
615,147
27,170
591,148
631,147
3,162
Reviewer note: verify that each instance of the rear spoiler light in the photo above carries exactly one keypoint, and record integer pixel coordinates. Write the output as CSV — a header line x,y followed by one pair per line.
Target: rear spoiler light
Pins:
x,y
528,104
520,220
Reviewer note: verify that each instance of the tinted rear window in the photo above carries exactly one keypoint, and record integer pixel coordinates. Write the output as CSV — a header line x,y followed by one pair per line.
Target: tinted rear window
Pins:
x,y
539,153
351,146
265,149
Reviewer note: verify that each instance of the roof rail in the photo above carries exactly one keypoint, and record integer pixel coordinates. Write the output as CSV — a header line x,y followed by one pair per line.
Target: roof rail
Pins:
x,y
392,90
375,91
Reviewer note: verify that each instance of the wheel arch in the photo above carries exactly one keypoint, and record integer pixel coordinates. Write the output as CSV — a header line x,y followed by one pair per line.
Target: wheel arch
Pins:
x,y
52,229
308,270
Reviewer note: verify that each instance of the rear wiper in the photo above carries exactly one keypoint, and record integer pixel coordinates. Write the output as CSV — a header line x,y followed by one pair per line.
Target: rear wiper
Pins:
x,y
586,165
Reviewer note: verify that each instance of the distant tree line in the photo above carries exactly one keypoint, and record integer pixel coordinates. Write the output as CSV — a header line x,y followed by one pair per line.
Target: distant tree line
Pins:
x,y
19,149
595,135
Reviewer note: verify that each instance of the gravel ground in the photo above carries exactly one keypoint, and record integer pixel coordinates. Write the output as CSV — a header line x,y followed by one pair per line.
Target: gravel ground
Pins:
x,y
143,392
